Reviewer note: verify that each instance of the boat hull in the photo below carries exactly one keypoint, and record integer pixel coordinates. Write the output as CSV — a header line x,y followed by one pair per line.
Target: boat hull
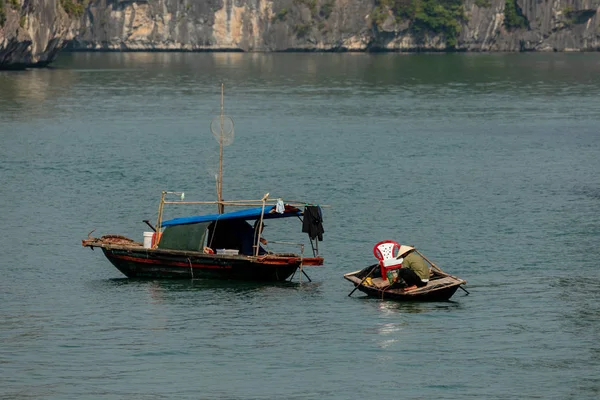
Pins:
x,y
437,289
156,264
443,294
136,261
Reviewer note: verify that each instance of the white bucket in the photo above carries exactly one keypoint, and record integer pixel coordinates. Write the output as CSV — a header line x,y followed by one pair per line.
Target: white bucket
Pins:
x,y
148,239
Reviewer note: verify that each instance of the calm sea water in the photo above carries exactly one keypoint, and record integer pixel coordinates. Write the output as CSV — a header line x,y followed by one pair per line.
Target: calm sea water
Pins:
x,y
488,163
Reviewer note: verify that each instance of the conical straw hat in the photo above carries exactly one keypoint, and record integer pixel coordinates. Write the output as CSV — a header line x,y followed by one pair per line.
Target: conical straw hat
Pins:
x,y
403,250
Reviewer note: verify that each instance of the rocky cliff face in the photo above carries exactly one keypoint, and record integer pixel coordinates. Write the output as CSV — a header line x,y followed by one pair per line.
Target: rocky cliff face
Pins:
x,y
331,25
33,32
549,25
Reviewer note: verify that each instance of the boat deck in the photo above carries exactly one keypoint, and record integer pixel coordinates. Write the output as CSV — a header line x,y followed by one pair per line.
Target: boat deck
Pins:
x,y
123,243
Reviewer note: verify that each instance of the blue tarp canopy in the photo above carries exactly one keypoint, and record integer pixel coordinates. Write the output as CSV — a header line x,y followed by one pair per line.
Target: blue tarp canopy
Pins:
x,y
247,214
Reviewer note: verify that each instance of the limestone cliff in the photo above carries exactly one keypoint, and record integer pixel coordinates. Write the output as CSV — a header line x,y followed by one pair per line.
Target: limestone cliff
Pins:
x,y
32,31
332,25
549,25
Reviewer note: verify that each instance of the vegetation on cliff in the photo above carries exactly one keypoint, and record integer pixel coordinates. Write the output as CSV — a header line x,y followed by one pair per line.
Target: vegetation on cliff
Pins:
x,y
14,4
74,8
437,16
513,17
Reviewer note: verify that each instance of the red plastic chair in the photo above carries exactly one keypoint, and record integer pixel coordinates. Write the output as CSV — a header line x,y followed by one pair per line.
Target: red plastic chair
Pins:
x,y
386,252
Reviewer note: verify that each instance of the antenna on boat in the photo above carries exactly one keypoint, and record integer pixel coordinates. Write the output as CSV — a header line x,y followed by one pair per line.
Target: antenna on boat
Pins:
x,y
222,129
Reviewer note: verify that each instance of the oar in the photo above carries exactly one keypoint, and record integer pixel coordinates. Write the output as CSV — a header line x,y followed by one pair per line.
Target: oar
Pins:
x,y
432,264
364,279
440,270
149,224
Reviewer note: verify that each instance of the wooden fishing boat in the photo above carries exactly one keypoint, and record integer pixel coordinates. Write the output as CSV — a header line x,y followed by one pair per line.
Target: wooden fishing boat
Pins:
x,y
223,245
370,280
217,246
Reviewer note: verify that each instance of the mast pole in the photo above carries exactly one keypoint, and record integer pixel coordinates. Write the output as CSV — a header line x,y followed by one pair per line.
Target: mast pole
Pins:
x,y
220,182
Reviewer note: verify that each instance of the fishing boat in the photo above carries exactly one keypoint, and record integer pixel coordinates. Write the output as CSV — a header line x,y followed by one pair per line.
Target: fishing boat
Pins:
x,y
375,279
221,245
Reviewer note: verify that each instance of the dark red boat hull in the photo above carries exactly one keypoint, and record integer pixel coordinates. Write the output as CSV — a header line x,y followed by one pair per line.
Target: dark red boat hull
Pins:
x,y
145,263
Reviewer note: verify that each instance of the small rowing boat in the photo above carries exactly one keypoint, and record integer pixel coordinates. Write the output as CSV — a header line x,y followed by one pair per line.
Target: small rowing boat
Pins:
x,y
374,280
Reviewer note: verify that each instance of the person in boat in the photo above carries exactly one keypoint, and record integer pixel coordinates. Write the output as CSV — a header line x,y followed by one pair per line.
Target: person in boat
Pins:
x,y
260,231
414,271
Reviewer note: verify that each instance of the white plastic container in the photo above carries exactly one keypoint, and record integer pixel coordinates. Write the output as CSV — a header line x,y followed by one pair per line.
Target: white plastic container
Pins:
x,y
228,252
148,240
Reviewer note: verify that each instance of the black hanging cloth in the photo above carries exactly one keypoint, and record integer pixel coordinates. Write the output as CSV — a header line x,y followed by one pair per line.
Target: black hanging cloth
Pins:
x,y
313,222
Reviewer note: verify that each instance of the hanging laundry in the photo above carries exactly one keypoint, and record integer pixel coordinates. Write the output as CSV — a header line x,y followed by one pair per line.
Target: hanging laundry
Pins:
x,y
313,222
279,207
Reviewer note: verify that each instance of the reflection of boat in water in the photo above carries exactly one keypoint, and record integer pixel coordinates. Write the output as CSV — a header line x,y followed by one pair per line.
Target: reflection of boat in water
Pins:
x,y
374,280
221,245
173,289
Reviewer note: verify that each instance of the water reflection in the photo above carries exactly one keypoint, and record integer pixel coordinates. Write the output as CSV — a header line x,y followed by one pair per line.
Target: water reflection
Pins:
x,y
420,307
151,78
391,332
156,292
33,93
390,307
478,72
160,289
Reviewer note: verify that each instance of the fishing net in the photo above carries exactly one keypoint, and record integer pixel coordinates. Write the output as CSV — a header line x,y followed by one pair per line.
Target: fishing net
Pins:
x,y
222,129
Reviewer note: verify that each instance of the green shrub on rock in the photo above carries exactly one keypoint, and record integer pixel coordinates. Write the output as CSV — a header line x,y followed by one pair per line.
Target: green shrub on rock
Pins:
x,y
74,8
437,16
513,18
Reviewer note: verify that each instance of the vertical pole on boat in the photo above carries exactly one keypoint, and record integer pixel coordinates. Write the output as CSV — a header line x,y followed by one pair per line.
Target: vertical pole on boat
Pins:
x,y
160,211
301,259
257,230
220,183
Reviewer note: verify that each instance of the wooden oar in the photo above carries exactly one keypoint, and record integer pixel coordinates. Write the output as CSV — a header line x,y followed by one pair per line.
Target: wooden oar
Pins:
x,y
364,279
440,270
149,224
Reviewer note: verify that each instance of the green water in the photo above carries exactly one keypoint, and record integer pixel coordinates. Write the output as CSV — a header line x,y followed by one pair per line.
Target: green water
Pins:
x,y
488,163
